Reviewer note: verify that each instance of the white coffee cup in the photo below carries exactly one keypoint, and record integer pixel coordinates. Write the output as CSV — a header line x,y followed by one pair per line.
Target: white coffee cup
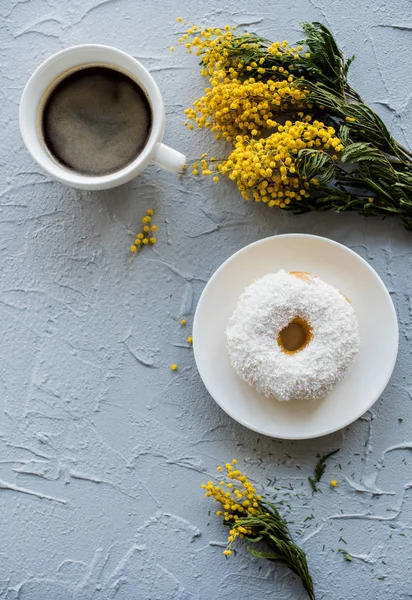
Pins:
x,y
58,66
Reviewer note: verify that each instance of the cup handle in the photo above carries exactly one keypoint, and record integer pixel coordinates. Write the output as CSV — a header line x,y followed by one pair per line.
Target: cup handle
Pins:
x,y
168,159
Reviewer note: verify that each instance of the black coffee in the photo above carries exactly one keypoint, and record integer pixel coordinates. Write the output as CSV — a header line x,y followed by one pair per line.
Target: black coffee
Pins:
x,y
96,121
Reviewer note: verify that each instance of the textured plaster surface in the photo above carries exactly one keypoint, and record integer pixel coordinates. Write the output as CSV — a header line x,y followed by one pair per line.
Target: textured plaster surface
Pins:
x,y
102,447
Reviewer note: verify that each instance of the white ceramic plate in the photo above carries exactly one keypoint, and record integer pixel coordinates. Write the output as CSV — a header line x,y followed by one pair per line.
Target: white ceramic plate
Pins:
x,y
335,264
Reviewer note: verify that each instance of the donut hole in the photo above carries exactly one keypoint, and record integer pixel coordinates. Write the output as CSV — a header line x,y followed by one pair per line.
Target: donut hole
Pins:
x,y
295,336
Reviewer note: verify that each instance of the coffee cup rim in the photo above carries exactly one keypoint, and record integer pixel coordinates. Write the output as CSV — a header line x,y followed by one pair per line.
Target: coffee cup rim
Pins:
x,y
81,56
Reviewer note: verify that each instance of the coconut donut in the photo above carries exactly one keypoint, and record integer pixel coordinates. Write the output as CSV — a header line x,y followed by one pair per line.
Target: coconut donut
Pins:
x,y
292,336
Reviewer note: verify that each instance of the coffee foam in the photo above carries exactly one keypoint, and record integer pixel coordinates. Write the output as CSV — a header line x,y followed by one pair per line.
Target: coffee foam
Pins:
x,y
96,121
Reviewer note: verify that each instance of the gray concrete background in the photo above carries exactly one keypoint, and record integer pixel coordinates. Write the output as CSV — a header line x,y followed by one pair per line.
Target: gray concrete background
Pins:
x,y
101,456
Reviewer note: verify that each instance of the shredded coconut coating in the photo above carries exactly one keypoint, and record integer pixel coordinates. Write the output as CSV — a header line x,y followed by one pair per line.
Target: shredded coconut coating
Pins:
x,y
265,308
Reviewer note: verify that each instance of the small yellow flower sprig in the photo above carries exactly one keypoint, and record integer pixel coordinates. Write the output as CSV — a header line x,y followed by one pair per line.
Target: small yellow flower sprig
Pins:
x,y
232,107
243,97
237,497
222,49
147,235
265,169
251,517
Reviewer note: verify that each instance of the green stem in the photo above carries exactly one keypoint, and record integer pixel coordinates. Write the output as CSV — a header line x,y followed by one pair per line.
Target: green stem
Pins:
x,y
407,153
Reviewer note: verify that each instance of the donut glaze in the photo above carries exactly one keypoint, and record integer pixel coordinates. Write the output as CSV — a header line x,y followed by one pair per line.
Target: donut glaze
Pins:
x,y
265,309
